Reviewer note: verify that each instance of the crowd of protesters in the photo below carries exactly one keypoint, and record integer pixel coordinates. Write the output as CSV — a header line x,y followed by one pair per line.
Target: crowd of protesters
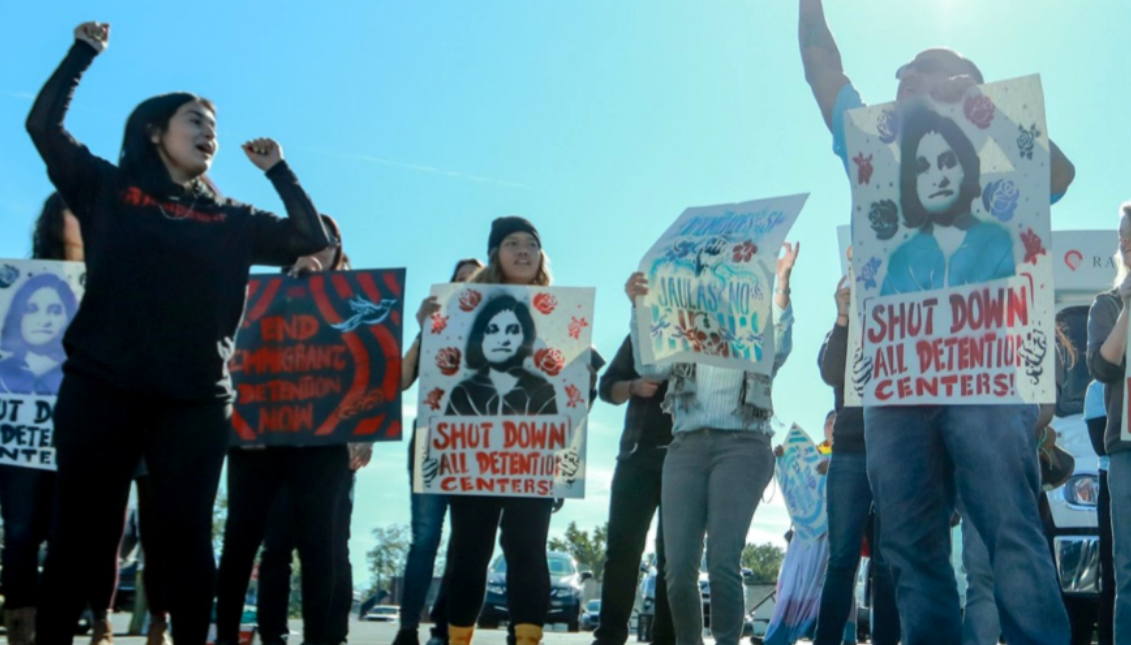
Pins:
x,y
696,447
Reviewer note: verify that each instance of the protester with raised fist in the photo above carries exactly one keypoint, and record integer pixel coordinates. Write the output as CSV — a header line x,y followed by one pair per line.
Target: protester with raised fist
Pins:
x,y
167,263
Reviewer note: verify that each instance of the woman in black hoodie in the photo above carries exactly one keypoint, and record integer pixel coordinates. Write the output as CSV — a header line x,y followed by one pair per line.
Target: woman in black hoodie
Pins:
x,y
146,374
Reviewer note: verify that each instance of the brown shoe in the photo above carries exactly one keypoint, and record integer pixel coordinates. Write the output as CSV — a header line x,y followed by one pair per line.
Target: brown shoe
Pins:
x,y
21,625
102,632
158,633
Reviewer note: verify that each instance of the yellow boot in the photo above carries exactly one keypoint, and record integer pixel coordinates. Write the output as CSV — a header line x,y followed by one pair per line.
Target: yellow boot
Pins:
x,y
460,635
527,634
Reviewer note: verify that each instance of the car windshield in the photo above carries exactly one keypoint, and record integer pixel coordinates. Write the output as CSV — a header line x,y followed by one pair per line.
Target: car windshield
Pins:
x,y
559,566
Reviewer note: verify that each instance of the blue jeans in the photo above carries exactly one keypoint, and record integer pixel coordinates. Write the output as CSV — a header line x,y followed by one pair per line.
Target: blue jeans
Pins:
x,y
980,623
849,501
427,526
1119,487
918,459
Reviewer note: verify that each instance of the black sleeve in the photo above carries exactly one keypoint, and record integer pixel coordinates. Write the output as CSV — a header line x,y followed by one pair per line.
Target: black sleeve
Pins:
x,y
623,368
76,173
1101,320
833,356
281,241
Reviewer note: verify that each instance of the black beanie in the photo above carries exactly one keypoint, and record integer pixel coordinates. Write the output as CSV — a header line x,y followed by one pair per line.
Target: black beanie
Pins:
x,y
504,226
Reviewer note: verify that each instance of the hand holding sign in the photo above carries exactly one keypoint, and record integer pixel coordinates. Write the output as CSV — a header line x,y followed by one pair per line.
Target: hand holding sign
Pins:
x,y
636,286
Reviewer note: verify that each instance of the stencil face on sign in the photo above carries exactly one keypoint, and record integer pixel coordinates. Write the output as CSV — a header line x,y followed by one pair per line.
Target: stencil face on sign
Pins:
x,y
504,384
953,280
38,300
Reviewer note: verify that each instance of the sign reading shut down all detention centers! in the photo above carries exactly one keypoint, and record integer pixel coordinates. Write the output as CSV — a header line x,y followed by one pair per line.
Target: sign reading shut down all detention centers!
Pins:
x,y
318,359
504,392
38,300
953,277
711,285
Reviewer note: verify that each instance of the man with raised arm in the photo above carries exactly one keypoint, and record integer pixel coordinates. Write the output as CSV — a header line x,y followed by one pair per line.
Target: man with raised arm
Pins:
x,y
920,457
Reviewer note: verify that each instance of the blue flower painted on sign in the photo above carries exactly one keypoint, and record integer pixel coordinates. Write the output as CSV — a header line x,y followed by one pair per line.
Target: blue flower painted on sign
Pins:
x,y
888,126
1027,139
869,272
1000,199
8,276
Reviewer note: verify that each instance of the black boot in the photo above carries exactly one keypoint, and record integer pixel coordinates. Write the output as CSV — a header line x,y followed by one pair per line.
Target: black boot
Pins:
x,y
406,636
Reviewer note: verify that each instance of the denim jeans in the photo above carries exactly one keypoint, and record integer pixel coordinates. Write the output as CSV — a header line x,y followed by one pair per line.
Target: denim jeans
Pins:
x,y
849,502
632,504
1106,616
712,483
25,506
980,623
428,513
918,459
1119,487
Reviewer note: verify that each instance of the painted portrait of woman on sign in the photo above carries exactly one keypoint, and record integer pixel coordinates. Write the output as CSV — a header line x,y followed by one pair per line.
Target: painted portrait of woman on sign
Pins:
x,y
32,337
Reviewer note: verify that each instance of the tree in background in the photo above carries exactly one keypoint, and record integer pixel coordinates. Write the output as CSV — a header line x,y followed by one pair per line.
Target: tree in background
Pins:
x,y
589,551
387,558
764,560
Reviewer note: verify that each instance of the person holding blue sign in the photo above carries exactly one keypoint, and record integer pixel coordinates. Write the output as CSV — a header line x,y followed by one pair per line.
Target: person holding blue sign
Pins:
x,y
167,263
915,475
717,465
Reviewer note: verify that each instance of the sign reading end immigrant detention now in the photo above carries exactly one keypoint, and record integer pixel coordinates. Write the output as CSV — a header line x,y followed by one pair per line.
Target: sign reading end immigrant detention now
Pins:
x,y
318,359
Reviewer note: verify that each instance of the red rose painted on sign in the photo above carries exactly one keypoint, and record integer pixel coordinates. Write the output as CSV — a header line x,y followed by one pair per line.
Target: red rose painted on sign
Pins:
x,y
574,395
545,303
863,168
1034,248
469,300
549,361
575,327
439,323
979,110
434,398
447,360
745,252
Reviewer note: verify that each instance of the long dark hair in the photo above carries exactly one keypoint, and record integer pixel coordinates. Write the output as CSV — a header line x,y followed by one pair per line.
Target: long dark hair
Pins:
x,y
47,236
139,161
12,338
475,358
918,124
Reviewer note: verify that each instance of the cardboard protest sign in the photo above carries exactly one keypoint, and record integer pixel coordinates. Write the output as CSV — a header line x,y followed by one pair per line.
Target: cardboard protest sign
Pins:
x,y
711,285
950,235
855,367
38,300
318,359
504,392
801,485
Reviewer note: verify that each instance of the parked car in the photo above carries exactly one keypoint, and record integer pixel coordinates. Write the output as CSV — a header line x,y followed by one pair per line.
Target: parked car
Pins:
x,y
592,615
565,592
384,614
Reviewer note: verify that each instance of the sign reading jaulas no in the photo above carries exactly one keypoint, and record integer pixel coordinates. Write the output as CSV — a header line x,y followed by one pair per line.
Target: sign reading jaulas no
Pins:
x,y
318,359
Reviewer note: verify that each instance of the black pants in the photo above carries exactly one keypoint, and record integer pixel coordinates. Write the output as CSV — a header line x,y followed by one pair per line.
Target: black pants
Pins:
x,y
25,506
634,500
524,524
274,588
1105,622
101,433
316,479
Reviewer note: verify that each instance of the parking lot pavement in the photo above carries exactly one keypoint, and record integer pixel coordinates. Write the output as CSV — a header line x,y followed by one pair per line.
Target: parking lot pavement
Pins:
x,y
373,633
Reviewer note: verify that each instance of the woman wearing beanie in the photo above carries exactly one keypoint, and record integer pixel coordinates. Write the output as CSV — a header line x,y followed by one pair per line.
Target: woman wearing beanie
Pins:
x,y
515,256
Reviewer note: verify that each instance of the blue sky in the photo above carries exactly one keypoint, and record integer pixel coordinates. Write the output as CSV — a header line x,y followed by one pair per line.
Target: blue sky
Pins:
x,y
416,123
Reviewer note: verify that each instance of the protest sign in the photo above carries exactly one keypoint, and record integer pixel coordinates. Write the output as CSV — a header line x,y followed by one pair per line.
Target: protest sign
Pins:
x,y
504,392
38,300
953,279
711,284
801,485
318,359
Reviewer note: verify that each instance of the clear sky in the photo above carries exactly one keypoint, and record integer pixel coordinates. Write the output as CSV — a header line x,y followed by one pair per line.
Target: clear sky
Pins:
x,y
416,123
